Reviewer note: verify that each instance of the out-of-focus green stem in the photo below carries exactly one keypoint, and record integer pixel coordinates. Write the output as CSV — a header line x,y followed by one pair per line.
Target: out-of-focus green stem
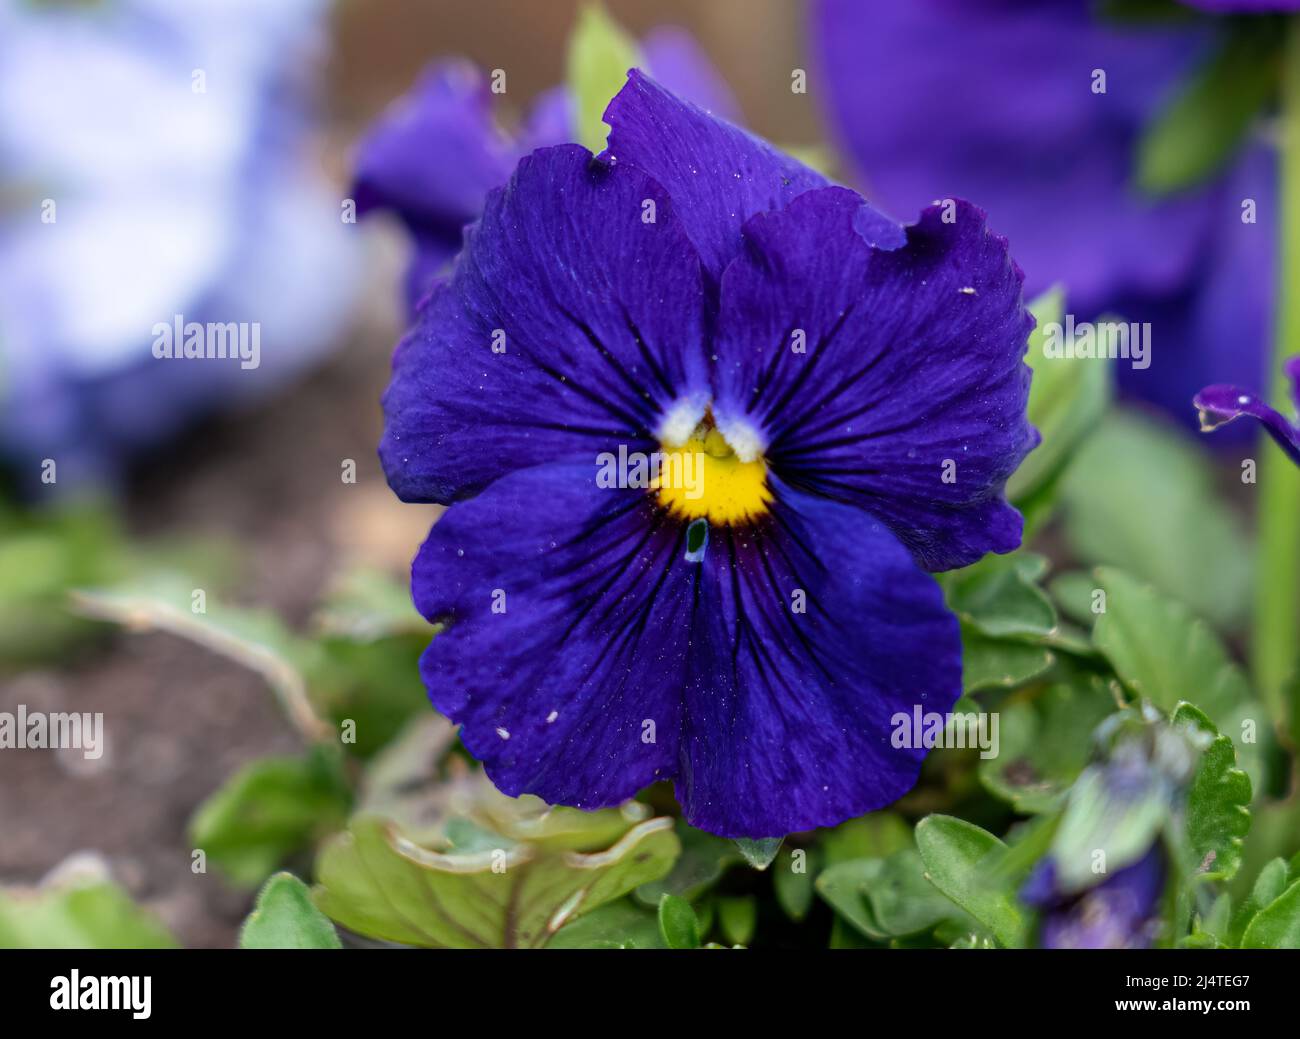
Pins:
x,y
1276,632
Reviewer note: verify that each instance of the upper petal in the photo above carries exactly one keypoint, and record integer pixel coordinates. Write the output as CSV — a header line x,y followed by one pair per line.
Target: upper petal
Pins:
x,y
717,174
893,379
571,322
814,631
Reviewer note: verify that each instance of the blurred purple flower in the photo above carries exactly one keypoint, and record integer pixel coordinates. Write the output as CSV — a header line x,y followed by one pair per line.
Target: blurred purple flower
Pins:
x,y
1121,912
434,154
1221,404
168,199
993,99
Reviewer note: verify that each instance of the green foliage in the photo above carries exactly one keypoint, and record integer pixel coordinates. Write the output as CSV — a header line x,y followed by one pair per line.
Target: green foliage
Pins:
x,y
528,872
792,881
889,898
600,54
620,924
1139,496
989,663
1044,743
1218,801
1202,129
285,918
46,555
270,809
1067,398
960,860
703,861
678,924
999,597
1162,652
77,911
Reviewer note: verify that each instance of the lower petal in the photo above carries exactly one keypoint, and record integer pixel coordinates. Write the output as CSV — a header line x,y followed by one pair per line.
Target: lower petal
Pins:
x,y
789,718
566,651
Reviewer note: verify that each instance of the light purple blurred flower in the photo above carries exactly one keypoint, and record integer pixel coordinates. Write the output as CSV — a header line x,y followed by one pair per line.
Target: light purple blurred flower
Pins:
x,y
168,199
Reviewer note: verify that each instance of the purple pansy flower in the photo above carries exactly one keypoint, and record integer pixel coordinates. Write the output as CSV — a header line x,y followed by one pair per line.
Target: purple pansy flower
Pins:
x,y
437,151
1221,404
854,394
1122,912
996,100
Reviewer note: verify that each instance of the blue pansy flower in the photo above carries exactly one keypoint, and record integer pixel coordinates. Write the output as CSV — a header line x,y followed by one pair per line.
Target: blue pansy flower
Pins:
x,y
854,392
435,153
156,162
998,100
1221,404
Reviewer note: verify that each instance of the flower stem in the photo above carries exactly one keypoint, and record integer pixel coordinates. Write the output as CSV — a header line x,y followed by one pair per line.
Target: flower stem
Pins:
x,y
1277,582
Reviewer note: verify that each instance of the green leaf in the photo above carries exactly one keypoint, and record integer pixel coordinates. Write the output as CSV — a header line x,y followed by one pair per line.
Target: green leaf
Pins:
x,y
738,917
1067,398
268,810
958,858
375,881
364,605
759,853
703,861
871,836
77,909
1162,652
792,881
1044,745
1277,925
888,898
1268,887
1218,802
1204,126
373,684
619,925
257,639
1140,496
600,54
998,596
285,918
678,924
989,663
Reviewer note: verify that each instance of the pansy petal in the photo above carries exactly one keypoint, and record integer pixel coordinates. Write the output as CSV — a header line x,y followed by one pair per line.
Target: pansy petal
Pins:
x,y
815,629
435,153
1220,404
718,175
890,379
572,321
569,616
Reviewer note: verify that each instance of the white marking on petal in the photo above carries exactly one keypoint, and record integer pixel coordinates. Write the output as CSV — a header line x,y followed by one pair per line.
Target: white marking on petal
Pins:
x,y
552,716
679,422
746,441
503,733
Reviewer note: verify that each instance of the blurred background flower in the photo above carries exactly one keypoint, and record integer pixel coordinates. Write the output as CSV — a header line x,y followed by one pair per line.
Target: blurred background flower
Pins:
x,y
1049,115
158,159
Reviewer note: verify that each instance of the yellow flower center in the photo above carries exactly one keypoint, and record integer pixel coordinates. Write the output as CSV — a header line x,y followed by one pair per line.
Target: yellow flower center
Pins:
x,y
703,479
